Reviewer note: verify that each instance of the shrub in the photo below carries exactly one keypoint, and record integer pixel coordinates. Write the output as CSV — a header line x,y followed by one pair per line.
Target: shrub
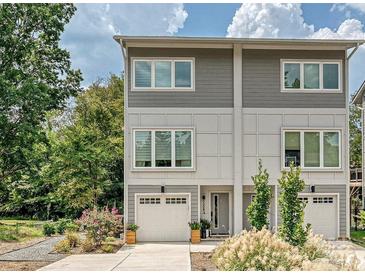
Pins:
x,y
204,224
110,239
72,227
88,245
49,229
61,225
73,239
107,248
291,229
256,250
258,210
316,247
99,224
63,246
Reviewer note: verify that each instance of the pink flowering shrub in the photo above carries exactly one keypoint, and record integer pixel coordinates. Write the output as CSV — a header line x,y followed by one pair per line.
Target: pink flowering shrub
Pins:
x,y
100,224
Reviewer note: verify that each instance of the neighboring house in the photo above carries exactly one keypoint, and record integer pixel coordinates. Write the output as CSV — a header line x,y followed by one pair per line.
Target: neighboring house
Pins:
x,y
201,112
359,100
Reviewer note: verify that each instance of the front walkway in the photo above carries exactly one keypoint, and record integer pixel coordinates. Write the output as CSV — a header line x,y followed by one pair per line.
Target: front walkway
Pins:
x,y
141,257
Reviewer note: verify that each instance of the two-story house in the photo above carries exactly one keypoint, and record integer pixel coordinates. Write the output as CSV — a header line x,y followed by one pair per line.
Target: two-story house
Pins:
x,y
201,112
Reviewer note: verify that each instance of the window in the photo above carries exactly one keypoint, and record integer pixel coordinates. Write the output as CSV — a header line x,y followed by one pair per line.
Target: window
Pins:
x,y
150,200
312,148
310,75
163,73
163,148
323,200
175,200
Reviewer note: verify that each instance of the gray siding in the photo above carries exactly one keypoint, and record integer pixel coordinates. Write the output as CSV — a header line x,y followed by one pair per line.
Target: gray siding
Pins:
x,y
261,80
133,189
341,189
213,80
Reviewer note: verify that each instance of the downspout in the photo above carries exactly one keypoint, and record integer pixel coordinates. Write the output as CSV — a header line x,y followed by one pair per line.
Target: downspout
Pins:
x,y
125,138
348,200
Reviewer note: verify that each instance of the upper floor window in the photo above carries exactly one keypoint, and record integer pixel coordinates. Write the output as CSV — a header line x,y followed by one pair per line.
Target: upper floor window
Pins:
x,y
163,148
311,76
163,73
312,148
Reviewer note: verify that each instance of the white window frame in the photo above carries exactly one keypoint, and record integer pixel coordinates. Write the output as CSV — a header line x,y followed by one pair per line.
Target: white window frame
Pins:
x,y
173,155
301,62
173,60
321,155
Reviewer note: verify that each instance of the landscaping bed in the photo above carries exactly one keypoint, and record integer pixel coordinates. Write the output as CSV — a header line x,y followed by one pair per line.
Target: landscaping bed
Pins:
x,y
202,261
21,266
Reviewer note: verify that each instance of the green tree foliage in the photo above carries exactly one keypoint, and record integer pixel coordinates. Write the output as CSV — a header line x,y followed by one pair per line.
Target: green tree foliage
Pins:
x,y
86,165
258,210
355,137
35,77
291,208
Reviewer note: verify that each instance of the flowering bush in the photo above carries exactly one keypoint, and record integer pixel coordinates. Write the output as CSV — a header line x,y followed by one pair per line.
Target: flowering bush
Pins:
x,y
100,224
264,251
256,250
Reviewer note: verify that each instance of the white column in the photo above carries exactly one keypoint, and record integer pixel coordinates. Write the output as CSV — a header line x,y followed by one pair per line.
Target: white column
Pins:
x,y
237,138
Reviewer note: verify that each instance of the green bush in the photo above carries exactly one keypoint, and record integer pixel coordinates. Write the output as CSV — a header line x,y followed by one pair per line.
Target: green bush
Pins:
x,y
110,239
132,227
258,210
49,229
107,248
292,228
63,246
61,225
88,245
72,227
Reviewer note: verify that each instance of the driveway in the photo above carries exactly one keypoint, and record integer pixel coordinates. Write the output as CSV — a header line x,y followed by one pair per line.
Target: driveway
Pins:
x,y
141,257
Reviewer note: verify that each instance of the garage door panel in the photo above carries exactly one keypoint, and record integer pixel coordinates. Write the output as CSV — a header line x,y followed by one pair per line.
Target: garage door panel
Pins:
x,y
166,221
322,213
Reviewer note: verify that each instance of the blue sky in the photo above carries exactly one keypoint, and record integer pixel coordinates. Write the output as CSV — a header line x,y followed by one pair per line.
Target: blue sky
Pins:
x,y
88,36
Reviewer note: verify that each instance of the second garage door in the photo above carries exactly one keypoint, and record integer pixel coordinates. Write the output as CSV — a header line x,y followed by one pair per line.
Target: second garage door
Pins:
x,y
322,213
163,217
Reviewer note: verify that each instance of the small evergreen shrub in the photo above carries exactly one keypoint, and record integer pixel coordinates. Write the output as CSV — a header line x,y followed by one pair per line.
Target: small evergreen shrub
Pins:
x,y
49,229
63,246
258,210
106,248
110,239
61,225
292,228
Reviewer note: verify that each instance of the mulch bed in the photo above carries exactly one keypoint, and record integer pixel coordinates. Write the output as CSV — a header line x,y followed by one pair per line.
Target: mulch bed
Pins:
x,y
202,261
21,266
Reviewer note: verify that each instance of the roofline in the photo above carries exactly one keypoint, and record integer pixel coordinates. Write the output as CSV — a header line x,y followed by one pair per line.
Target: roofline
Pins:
x,y
224,40
357,98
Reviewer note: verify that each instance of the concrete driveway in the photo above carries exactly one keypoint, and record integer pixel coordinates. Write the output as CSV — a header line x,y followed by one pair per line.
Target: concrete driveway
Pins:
x,y
142,257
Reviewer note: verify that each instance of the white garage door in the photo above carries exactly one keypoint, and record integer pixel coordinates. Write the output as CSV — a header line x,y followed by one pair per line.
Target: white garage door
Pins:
x,y
163,217
321,213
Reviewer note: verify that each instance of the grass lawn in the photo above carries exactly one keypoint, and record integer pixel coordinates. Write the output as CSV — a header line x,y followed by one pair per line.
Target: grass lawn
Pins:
x,y
19,230
358,237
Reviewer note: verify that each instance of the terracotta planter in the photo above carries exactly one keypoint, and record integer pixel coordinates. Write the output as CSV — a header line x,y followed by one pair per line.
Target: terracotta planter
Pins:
x,y
131,237
195,236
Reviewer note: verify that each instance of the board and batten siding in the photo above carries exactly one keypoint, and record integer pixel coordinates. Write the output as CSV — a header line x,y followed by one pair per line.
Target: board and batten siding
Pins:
x,y
213,80
333,189
261,80
133,189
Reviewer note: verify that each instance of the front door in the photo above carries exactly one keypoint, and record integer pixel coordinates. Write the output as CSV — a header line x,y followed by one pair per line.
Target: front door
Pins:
x,y
220,213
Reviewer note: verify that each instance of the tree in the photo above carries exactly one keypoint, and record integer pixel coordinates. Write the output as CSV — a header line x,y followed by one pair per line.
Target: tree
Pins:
x,y
291,208
258,210
35,77
355,137
87,159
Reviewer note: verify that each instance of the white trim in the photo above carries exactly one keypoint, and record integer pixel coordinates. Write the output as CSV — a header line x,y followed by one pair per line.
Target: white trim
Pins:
x,y
153,61
153,143
337,195
301,62
321,131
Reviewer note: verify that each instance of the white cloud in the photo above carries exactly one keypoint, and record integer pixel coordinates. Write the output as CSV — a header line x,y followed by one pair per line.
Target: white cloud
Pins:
x,y
89,35
269,20
287,21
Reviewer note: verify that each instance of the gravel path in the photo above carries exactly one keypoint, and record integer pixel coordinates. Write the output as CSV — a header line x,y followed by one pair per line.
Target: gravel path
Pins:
x,y
38,252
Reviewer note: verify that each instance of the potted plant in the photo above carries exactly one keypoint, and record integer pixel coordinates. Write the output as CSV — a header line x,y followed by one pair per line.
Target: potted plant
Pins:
x,y
131,233
195,232
205,226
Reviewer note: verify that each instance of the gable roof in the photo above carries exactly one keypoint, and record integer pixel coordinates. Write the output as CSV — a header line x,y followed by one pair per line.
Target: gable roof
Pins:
x,y
359,95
